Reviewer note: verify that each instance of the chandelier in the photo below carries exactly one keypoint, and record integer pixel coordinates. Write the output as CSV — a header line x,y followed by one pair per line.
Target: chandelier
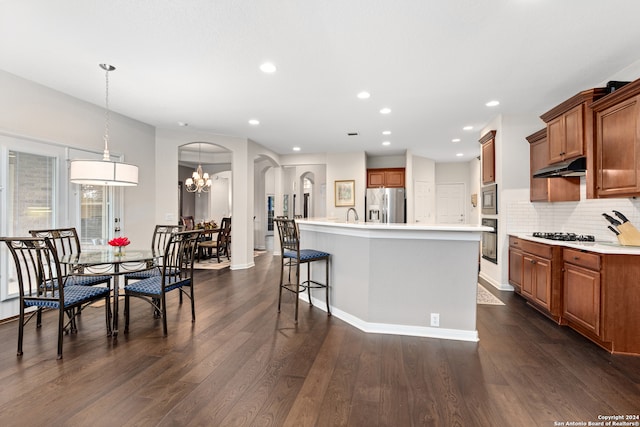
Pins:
x,y
199,182
105,171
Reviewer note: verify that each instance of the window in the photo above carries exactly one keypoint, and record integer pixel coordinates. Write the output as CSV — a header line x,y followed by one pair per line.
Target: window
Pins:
x,y
35,194
94,215
30,200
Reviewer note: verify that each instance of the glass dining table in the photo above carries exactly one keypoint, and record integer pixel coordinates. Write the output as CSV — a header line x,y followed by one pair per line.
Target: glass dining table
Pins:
x,y
109,262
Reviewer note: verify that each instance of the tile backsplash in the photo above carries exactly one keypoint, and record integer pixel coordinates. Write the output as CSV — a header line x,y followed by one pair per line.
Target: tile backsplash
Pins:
x,y
583,217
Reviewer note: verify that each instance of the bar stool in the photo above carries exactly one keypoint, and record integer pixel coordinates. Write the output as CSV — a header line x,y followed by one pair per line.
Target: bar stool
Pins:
x,y
292,257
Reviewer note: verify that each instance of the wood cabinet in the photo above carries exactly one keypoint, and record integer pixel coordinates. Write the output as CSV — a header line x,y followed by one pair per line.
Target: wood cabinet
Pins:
x,y
595,294
488,156
386,177
516,259
581,298
538,268
617,153
570,128
548,189
536,280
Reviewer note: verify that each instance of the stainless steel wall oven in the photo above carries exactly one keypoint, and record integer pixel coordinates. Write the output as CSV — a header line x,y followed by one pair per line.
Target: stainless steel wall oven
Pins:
x,y
490,240
489,199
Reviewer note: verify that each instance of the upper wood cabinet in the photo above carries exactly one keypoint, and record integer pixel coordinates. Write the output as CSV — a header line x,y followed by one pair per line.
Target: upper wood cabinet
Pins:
x,y
570,127
548,189
488,142
386,177
617,152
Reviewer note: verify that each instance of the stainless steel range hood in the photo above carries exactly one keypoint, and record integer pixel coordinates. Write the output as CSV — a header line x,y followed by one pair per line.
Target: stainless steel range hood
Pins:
x,y
575,167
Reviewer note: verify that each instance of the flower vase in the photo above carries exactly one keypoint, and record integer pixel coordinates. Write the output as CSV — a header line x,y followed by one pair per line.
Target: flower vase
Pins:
x,y
118,251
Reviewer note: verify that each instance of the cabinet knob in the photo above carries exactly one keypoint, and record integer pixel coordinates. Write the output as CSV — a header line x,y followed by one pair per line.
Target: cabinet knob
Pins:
x,y
576,258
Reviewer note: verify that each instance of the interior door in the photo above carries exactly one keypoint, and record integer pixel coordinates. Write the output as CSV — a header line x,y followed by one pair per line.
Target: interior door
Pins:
x,y
450,204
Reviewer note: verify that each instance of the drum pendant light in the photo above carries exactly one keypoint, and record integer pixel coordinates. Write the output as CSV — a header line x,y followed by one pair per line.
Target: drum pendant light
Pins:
x,y
105,171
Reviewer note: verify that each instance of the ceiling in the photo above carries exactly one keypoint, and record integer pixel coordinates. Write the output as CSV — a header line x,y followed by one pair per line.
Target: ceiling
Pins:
x,y
433,63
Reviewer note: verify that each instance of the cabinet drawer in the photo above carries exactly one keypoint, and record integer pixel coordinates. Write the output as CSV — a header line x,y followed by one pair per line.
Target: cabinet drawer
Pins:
x,y
540,249
583,259
515,242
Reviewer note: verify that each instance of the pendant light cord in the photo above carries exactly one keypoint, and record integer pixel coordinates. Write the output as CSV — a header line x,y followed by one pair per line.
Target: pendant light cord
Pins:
x,y
107,116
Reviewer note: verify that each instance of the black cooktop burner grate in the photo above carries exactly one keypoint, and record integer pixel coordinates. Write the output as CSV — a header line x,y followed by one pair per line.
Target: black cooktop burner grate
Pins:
x,y
568,237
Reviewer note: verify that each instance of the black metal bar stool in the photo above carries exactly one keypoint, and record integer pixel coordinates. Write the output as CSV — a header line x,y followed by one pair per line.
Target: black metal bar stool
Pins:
x,y
292,257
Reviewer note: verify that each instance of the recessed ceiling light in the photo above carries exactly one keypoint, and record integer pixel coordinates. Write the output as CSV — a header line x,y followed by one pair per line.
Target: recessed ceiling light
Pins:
x,y
364,95
386,143
386,132
459,154
296,148
455,140
268,67
492,103
385,111
183,124
467,128
254,122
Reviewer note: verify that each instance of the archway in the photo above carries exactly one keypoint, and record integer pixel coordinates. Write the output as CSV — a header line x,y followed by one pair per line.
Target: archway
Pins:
x,y
213,202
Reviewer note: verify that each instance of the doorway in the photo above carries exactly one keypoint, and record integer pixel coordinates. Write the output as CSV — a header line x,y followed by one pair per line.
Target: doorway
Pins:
x,y
450,204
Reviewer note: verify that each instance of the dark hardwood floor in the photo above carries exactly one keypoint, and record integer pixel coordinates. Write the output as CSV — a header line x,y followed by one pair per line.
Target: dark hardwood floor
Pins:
x,y
243,364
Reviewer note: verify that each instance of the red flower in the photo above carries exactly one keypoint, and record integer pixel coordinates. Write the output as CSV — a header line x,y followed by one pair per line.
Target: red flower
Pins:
x,y
119,241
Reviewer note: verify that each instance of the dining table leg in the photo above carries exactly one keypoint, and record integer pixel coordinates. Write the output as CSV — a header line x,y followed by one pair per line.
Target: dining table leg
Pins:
x,y
116,298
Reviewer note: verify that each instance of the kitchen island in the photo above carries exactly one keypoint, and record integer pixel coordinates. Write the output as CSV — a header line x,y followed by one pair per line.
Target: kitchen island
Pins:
x,y
394,278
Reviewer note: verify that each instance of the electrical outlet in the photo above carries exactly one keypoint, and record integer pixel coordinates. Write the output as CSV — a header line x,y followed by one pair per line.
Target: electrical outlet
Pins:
x,y
435,319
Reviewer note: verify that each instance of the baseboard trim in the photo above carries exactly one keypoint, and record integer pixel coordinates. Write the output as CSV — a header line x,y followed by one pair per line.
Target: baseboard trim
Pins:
x,y
391,329
499,286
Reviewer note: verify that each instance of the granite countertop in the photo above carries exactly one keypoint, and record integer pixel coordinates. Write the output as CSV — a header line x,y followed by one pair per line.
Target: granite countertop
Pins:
x,y
603,247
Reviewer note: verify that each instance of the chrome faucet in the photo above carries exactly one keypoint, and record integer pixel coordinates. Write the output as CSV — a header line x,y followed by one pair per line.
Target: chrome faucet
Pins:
x,y
354,212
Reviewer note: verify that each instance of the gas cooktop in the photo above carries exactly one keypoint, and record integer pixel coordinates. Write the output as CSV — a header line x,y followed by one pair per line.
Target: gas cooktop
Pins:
x,y
568,237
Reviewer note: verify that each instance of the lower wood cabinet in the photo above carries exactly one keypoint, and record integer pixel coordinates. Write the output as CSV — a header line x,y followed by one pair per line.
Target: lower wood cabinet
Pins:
x,y
536,280
535,272
595,294
582,293
516,260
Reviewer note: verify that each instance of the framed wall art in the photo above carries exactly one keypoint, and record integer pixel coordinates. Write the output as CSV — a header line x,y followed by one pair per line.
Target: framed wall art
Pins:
x,y
345,193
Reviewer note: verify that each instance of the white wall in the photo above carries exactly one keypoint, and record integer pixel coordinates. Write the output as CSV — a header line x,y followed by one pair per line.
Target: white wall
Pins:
x,y
220,196
346,166
475,185
243,152
32,111
35,111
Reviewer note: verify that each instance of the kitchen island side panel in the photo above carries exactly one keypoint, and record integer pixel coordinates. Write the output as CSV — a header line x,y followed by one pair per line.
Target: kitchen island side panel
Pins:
x,y
391,282
410,279
349,272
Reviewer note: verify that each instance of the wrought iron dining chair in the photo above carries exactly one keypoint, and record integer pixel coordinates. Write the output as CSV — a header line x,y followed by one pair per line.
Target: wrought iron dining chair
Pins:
x,y
43,285
292,256
161,236
66,242
221,245
176,274
188,222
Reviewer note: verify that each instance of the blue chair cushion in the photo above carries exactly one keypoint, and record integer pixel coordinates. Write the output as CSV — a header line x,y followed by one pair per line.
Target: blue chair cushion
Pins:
x,y
154,272
86,280
72,295
307,254
153,286
78,281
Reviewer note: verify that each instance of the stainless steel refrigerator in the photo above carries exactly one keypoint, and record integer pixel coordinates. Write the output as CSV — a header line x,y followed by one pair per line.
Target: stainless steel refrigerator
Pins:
x,y
385,205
